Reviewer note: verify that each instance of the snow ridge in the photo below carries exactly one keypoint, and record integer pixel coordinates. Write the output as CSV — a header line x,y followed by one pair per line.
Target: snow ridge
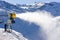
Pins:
x,y
11,36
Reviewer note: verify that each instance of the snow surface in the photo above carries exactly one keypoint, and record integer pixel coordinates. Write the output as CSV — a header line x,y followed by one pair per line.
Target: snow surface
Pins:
x,y
11,36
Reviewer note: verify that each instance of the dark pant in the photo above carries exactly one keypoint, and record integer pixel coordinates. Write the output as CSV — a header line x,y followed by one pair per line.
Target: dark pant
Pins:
x,y
5,27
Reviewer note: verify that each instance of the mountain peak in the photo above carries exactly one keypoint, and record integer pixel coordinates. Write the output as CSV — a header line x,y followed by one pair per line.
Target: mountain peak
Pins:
x,y
11,36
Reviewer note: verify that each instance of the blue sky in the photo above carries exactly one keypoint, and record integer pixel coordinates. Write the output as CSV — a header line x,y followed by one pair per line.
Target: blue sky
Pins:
x,y
29,1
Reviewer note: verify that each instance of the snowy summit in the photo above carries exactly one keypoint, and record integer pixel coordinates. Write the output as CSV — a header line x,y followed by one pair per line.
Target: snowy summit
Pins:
x,y
11,36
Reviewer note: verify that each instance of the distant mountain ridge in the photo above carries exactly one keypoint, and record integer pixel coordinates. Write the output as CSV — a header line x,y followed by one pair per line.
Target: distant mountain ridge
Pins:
x,y
52,7
9,7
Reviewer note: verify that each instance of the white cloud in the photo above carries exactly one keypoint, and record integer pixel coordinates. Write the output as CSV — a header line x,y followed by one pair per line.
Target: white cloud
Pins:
x,y
50,25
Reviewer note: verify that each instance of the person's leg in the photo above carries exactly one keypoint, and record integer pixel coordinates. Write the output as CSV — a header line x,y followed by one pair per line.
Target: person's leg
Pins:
x,y
5,27
9,28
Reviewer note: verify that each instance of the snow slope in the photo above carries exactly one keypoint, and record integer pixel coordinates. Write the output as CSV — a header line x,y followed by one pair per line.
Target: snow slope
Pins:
x,y
11,36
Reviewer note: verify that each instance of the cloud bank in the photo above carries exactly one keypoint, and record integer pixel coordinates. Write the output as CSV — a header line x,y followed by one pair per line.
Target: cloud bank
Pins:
x,y
50,25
